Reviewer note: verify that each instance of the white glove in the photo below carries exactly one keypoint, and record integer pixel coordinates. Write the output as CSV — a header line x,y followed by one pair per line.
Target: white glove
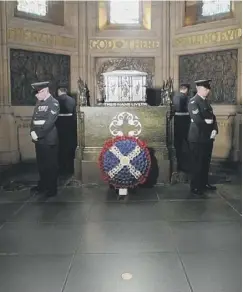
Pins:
x,y
213,134
34,136
208,121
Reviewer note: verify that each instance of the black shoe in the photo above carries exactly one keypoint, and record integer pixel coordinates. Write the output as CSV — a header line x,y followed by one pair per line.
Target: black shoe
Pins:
x,y
209,187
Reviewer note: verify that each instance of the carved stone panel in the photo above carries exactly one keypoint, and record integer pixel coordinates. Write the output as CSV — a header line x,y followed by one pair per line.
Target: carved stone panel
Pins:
x,y
111,64
220,66
27,67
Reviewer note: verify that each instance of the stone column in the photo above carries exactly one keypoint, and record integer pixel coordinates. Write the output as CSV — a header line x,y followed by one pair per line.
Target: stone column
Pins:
x,y
237,155
82,39
9,153
165,40
82,69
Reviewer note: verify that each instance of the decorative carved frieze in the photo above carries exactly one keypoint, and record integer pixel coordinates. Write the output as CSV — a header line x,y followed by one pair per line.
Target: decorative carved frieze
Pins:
x,y
28,36
120,44
220,66
209,38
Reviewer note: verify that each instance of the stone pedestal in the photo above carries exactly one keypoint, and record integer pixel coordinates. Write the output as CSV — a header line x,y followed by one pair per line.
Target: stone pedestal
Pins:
x,y
97,124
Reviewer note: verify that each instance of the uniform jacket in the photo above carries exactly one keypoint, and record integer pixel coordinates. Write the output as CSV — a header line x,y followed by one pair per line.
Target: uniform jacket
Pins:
x,y
180,102
43,121
199,110
67,104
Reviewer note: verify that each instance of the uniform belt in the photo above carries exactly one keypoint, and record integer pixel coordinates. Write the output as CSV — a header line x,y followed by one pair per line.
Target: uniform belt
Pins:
x,y
209,120
39,122
181,114
65,115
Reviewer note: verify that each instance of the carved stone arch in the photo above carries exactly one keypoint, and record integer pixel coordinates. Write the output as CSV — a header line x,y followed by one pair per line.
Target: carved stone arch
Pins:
x,y
137,64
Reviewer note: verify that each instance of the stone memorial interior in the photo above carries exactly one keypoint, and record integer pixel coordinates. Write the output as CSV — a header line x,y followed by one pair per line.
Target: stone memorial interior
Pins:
x,y
130,57
119,51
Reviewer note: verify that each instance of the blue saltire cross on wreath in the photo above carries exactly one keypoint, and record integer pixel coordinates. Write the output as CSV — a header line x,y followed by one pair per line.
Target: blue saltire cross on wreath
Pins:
x,y
125,161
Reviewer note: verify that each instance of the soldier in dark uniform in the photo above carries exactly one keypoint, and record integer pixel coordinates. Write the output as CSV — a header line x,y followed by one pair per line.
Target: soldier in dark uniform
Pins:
x,y
181,122
44,134
202,132
67,131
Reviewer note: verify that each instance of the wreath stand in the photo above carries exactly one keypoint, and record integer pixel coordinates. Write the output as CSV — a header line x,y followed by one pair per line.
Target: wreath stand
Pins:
x,y
122,194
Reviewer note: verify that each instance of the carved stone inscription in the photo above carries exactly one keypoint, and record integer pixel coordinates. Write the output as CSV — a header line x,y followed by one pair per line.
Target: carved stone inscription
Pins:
x,y
130,44
219,66
209,38
27,67
24,35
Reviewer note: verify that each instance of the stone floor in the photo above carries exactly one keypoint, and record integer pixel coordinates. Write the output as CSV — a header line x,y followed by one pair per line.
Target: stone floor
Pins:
x,y
85,240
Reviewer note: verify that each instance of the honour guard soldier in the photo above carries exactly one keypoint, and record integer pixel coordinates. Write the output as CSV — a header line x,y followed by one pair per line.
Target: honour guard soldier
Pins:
x,y
202,132
44,134
181,122
66,128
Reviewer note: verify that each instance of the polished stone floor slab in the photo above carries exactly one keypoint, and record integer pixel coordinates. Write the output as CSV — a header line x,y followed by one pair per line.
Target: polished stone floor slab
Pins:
x,y
150,272
75,213
214,271
131,212
8,210
205,210
85,239
207,236
14,197
41,238
126,237
33,273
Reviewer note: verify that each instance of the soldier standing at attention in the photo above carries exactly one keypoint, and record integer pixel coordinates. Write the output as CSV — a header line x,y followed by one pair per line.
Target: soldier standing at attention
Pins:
x,y
202,132
181,122
44,134
67,132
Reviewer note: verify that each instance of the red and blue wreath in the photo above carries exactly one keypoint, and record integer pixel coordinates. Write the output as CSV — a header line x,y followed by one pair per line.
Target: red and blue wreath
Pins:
x,y
125,162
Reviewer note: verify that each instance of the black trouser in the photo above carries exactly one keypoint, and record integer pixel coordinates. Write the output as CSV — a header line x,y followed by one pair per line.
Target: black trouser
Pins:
x,y
67,144
46,156
201,154
181,128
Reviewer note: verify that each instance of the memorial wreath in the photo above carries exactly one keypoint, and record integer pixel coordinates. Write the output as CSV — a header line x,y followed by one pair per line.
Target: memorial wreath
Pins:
x,y
124,162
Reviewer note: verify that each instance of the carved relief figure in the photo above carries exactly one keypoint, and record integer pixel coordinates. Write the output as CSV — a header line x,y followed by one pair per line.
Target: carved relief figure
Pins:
x,y
27,67
220,66
125,89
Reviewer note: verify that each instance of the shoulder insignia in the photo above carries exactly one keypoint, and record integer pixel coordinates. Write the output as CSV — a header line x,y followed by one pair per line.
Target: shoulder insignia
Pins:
x,y
42,108
55,103
192,101
196,111
53,112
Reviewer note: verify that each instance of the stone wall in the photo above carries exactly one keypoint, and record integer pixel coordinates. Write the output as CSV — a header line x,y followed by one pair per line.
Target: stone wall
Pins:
x,y
39,38
83,38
